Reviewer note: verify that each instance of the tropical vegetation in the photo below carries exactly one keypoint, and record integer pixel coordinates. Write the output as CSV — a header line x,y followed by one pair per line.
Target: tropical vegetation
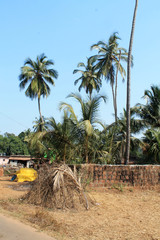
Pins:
x,y
81,136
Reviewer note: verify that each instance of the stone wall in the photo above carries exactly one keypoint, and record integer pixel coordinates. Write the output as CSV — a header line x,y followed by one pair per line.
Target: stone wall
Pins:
x,y
130,175
1,172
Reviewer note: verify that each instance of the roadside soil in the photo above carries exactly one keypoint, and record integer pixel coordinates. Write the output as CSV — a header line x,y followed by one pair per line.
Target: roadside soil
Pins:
x,y
11,229
119,213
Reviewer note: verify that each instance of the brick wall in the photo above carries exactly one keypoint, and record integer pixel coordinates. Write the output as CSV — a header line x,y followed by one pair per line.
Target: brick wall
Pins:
x,y
131,175
107,175
1,172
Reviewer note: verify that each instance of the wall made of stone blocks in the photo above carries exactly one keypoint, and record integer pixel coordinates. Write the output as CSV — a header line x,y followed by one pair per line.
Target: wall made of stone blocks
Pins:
x,y
129,175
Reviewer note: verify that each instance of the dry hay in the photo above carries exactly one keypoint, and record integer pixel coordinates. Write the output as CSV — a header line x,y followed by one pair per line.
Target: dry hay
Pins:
x,y
58,188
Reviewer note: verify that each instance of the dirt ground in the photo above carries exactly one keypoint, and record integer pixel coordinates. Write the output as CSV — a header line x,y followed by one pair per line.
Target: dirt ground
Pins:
x,y
123,213
11,229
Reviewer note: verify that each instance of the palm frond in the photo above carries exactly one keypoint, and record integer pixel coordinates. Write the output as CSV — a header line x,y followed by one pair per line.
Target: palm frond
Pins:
x,y
69,108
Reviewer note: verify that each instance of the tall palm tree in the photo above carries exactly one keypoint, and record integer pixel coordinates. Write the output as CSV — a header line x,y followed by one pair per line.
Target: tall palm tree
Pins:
x,y
109,65
129,84
89,111
37,75
89,77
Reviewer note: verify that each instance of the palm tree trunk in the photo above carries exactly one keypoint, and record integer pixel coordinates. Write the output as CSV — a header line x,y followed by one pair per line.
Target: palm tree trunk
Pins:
x,y
113,95
39,107
90,95
121,153
86,148
129,84
116,85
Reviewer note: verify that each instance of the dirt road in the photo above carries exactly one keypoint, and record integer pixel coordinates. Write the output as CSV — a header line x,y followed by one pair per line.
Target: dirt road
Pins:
x,y
11,229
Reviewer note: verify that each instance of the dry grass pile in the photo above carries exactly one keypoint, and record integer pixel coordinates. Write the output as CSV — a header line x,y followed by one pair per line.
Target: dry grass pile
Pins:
x,y
57,187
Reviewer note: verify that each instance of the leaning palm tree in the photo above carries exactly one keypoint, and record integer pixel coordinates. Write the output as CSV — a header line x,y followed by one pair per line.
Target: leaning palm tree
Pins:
x,y
89,118
129,84
37,75
89,77
109,65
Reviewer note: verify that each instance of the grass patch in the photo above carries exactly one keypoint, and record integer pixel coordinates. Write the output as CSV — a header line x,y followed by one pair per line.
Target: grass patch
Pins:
x,y
118,186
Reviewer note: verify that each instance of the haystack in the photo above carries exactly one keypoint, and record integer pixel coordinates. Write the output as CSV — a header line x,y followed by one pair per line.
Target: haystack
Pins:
x,y
58,188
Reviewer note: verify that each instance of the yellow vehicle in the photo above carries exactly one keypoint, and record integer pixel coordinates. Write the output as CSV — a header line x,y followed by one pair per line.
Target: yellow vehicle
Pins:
x,y
26,175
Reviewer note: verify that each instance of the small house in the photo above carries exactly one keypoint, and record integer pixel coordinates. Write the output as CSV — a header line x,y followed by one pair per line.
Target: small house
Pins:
x,y
20,160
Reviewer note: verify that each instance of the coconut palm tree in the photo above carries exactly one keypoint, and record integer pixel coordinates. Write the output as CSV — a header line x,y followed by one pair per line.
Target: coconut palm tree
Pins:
x,y
34,139
152,145
136,126
89,77
101,148
109,65
60,136
119,133
36,75
89,118
129,84
35,143
39,126
150,112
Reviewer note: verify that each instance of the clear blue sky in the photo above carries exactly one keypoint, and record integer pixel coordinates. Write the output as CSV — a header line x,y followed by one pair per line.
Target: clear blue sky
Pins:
x,y
64,30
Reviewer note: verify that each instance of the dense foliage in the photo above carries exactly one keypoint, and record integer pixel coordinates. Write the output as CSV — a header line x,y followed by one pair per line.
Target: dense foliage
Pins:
x,y
13,145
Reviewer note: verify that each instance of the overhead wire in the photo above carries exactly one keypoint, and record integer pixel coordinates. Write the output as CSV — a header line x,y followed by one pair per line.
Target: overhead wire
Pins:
x,y
12,119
